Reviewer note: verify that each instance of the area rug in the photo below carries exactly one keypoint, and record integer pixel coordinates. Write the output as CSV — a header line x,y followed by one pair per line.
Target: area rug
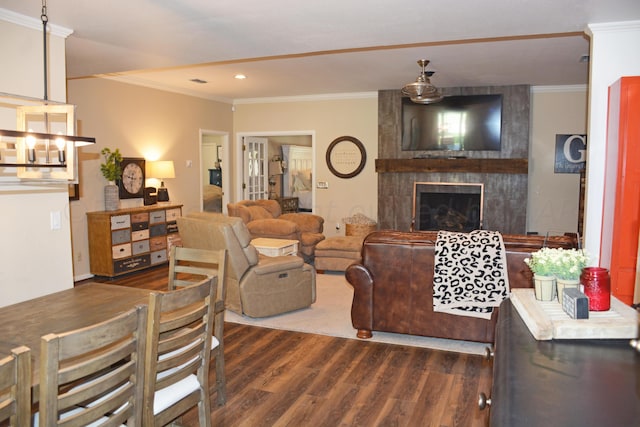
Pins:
x,y
331,315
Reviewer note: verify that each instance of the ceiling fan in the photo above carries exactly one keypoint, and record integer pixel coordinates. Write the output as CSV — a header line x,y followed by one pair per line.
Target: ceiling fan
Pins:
x,y
422,91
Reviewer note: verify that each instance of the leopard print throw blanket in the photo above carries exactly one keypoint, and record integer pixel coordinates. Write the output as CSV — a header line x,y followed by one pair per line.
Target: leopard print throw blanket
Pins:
x,y
470,273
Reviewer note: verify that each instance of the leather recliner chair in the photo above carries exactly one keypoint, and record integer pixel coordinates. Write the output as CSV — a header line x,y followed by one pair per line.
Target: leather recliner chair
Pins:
x,y
264,218
257,285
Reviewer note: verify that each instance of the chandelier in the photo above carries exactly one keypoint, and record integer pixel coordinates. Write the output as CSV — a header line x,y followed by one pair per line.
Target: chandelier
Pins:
x,y
422,91
44,130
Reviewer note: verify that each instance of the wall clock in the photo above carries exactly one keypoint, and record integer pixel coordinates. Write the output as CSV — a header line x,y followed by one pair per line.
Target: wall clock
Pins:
x,y
132,182
346,157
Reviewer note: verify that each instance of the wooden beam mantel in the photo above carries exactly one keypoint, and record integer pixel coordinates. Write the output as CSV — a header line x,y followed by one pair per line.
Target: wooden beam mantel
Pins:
x,y
505,166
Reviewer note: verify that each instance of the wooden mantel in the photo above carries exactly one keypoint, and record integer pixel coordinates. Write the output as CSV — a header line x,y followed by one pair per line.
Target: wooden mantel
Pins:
x,y
461,165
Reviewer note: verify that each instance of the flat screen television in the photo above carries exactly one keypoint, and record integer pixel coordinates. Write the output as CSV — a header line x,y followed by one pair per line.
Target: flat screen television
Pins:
x,y
457,123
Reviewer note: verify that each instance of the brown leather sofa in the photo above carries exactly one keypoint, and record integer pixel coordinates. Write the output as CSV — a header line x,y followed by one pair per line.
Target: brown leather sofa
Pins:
x,y
393,285
264,218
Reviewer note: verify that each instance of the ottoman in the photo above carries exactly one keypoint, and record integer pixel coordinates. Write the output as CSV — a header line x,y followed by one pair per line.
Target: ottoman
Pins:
x,y
337,253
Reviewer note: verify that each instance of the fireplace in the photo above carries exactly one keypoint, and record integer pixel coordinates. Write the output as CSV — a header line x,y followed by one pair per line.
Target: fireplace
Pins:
x,y
449,206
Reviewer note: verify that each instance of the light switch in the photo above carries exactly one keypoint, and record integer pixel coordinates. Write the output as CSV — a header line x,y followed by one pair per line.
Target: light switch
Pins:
x,y
322,184
56,221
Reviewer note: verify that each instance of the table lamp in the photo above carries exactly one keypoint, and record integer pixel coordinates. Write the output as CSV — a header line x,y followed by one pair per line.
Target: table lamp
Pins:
x,y
275,169
161,170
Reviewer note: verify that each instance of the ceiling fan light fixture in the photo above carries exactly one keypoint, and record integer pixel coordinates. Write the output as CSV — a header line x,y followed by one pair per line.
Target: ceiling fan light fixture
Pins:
x,y
427,99
422,91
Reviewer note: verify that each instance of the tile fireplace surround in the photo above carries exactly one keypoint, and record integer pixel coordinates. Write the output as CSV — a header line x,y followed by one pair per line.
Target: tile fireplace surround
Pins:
x,y
504,174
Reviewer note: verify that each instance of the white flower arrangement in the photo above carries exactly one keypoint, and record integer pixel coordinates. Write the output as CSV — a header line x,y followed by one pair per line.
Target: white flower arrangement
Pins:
x,y
558,262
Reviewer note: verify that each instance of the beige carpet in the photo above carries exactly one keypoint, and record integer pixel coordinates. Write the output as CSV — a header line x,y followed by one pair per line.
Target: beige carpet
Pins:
x,y
331,315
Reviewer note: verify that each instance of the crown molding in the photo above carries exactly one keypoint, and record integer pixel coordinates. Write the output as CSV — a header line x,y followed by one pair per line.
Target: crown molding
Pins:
x,y
612,27
32,23
559,88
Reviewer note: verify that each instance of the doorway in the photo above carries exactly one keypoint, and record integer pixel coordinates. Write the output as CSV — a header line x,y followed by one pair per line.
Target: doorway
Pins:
x,y
214,173
275,141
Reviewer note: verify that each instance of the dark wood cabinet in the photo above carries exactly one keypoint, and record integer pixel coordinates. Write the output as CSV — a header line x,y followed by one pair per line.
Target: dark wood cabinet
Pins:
x,y
215,177
561,382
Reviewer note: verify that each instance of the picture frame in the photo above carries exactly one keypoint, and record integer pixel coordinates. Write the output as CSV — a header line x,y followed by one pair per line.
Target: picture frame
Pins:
x,y
570,153
74,192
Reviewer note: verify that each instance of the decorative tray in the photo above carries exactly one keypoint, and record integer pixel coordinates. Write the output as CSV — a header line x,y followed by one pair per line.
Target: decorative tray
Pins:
x,y
546,320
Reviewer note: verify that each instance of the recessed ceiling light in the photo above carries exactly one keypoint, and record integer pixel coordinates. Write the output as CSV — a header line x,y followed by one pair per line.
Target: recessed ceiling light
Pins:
x,y
199,81
240,76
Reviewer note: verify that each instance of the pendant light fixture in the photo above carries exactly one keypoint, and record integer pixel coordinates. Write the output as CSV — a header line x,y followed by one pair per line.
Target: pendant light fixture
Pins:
x,y
422,91
31,150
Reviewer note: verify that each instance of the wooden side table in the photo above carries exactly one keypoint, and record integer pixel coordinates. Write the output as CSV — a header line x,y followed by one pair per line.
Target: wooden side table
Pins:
x,y
275,247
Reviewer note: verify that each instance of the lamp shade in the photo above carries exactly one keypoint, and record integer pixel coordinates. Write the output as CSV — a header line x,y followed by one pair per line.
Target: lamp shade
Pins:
x,y
275,167
161,169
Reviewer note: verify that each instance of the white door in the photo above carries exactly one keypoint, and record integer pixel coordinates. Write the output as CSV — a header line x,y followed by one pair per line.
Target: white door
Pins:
x,y
255,154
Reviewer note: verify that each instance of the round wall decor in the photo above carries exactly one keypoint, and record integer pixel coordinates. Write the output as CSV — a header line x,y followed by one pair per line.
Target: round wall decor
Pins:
x,y
346,157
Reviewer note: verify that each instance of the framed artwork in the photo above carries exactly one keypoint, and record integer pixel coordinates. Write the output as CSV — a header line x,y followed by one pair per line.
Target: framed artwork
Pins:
x,y
570,153
74,192
132,182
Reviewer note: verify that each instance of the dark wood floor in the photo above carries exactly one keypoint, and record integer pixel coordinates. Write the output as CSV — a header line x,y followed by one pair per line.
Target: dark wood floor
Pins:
x,y
282,378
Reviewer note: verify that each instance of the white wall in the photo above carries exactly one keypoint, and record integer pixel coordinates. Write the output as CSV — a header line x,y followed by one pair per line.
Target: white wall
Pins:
x,y
35,259
553,199
614,54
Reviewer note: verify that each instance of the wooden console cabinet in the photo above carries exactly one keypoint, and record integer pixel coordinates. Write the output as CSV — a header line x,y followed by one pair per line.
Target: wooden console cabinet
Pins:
x,y
561,382
128,240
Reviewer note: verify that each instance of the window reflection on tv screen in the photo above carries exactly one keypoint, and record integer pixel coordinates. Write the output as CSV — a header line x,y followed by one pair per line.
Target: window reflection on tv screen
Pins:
x,y
457,123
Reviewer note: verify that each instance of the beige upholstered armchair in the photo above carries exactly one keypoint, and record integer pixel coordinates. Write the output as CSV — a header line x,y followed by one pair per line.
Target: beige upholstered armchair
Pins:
x,y
257,285
264,218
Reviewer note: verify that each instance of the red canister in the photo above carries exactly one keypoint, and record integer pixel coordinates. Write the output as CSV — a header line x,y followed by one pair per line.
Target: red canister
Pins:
x,y
596,285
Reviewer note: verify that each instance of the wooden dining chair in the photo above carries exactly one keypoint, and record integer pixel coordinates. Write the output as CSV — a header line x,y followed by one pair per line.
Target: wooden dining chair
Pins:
x,y
178,352
15,380
94,374
188,266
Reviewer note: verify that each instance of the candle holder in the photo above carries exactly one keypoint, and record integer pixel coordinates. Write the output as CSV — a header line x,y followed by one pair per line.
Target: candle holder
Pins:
x,y
597,287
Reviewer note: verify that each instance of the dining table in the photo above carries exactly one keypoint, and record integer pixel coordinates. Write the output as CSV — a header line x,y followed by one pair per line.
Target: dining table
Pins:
x,y
26,322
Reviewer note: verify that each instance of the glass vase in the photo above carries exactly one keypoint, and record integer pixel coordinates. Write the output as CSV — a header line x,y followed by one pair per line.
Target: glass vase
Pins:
x,y
596,285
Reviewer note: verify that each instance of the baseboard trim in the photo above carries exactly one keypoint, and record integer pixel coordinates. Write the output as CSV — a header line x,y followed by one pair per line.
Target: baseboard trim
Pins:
x,y
82,277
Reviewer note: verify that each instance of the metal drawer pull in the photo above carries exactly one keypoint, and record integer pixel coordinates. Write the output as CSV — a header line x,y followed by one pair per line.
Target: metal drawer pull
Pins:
x,y
483,401
488,353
